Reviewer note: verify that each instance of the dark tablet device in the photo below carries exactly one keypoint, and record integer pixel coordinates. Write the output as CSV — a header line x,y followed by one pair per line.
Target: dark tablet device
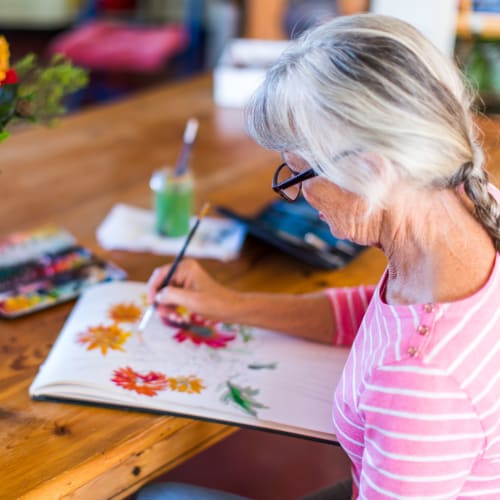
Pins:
x,y
296,229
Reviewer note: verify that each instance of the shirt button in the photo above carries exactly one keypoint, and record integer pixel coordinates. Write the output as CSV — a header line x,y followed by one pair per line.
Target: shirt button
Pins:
x,y
428,308
423,329
412,351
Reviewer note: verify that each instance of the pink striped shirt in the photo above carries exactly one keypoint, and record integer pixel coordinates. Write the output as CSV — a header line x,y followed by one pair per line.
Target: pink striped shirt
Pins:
x,y
418,406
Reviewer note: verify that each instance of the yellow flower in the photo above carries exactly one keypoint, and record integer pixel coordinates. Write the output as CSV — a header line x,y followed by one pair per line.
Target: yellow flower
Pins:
x,y
190,384
4,57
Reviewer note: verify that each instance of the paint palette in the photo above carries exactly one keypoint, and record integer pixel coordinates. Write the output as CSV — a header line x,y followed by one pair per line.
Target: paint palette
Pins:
x,y
44,267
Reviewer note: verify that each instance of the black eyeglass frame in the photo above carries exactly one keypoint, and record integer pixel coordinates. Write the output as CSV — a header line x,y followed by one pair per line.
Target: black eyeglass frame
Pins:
x,y
279,187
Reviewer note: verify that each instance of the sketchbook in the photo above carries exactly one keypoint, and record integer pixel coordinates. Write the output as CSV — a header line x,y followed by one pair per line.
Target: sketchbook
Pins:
x,y
189,366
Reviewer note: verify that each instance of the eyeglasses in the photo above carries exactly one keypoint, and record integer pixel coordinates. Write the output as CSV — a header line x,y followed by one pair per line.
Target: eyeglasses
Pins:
x,y
288,184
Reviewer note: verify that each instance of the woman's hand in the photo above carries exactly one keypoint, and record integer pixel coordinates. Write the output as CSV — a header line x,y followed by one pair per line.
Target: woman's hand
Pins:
x,y
192,287
308,315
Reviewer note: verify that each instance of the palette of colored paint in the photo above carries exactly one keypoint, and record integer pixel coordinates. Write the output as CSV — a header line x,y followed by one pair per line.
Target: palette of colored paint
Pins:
x,y
44,267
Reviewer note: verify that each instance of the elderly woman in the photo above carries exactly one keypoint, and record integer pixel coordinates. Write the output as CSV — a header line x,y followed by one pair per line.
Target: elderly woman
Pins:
x,y
375,130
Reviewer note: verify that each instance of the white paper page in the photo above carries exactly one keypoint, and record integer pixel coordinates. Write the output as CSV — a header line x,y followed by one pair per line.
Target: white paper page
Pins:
x,y
242,375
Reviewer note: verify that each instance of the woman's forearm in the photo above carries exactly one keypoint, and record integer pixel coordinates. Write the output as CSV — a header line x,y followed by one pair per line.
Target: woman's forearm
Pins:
x,y
308,316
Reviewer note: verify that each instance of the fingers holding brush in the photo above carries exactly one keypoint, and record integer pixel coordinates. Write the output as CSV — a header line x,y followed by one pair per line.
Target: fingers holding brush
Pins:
x,y
192,287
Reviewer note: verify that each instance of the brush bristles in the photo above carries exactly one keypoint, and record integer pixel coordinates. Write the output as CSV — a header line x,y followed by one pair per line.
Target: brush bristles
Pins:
x,y
191,131
204,210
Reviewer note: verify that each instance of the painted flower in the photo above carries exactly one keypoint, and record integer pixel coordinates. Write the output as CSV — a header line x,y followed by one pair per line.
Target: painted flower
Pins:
x,y
148,384
177,316
104,337
189,385
199,330
125,312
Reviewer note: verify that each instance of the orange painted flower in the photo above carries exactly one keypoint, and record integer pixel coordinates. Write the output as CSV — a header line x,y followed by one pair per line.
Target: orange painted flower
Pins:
x,y
148,384
125,312
104,337
189,385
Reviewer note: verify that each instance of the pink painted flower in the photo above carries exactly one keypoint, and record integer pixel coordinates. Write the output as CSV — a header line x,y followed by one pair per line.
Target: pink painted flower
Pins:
x,y
199,330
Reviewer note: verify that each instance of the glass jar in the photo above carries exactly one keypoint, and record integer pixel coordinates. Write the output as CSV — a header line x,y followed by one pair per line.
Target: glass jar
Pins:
x,y
172,201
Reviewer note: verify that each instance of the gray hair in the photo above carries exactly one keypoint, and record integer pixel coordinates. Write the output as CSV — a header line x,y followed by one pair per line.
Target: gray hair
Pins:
x,y
374,84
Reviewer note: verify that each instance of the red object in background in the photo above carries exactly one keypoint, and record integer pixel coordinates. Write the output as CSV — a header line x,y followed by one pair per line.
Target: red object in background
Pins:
x,y
116,4
10,77
116,46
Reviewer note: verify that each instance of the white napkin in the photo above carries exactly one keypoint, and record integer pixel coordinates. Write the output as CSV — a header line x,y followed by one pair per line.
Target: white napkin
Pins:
x,y
132,228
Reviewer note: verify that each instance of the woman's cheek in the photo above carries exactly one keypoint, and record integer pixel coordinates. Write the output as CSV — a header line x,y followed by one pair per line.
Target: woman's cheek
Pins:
x,y
338,228
310,198
326,212
344,225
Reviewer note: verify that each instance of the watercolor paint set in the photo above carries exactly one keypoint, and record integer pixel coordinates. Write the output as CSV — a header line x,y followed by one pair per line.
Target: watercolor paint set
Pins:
x,y
44,267
296,229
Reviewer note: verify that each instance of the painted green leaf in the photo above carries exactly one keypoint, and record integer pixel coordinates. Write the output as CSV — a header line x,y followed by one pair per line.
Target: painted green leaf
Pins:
x,y
242,397
263,366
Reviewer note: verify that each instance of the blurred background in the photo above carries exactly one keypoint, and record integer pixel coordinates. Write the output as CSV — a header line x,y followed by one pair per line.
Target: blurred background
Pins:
x,y
129,45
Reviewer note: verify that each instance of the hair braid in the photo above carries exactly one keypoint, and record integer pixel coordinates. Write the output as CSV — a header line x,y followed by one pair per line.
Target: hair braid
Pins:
x,y
486,208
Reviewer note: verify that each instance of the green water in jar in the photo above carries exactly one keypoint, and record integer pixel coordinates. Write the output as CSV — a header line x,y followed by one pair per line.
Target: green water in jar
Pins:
x,y
172,203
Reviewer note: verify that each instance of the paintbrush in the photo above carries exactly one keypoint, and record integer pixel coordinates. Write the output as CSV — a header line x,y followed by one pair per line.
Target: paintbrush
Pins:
x,y
149,311
188,140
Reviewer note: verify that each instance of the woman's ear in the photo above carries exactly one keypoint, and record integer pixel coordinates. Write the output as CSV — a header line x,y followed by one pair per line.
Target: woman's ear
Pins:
x,y
381,173
380,166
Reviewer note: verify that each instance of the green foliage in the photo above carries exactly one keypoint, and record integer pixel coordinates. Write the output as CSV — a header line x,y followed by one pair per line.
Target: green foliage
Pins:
x,y
8,98
41,91
32,93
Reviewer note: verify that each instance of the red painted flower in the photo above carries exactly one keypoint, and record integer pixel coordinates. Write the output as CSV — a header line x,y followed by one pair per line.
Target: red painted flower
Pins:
x,y
148,384
199,330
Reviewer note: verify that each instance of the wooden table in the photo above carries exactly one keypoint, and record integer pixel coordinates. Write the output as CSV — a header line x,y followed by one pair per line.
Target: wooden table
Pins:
x,y
72,175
